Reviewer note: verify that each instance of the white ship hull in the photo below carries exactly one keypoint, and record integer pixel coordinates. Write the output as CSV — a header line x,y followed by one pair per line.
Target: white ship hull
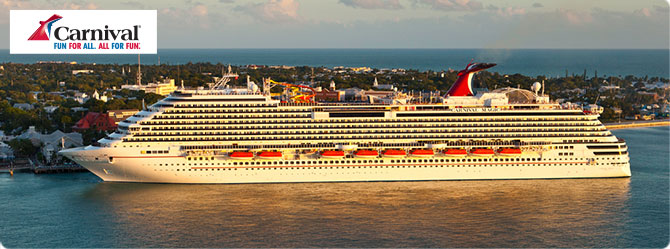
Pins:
x,y
175,169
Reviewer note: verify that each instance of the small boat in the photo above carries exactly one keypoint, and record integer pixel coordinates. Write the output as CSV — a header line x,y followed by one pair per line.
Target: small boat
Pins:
x,y
509,151
482,152
422,153
332,154
241,155
366,153
394,153
456,152
272,155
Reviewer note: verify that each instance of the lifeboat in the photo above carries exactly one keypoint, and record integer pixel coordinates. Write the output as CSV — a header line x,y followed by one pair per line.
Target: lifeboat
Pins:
x,y
394,153
482,152
272,155
456,152
422,153
366,153
332,154
509,151
241,155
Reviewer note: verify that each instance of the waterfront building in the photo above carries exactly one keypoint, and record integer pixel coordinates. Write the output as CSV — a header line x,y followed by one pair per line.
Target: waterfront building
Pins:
x,y
6,152
95,120
52,143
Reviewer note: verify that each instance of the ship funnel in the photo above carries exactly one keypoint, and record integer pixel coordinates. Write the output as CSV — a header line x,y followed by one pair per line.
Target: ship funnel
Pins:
x,y
463,85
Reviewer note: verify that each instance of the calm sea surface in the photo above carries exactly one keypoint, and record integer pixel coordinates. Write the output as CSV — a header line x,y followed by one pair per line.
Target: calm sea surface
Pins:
x,y
533,62
77,210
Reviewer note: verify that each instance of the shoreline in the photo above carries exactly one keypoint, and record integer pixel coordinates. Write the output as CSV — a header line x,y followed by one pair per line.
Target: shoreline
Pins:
x,y
637,124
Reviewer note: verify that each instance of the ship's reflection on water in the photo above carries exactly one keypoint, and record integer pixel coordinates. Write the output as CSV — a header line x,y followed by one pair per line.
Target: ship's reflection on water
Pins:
x,y
519,213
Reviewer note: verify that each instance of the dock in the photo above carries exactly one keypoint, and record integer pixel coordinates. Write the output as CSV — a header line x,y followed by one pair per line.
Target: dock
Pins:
x,y
23,167
636,124
59,169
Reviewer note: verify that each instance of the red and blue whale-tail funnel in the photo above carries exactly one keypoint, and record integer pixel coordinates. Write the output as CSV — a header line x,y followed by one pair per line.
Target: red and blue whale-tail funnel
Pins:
x,y
463,85
44,31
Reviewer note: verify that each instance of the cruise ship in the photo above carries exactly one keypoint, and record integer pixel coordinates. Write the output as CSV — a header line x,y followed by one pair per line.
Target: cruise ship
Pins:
x,y
246,135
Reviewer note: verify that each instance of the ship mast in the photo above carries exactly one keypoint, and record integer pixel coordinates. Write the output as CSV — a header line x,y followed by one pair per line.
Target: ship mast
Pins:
x,y
225,78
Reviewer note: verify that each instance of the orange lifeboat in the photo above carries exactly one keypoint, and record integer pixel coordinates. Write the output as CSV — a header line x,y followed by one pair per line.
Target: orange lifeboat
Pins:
x,y
422,153
272,155
241,155
366,153
509,151
332,154
456,152
394,153
482,152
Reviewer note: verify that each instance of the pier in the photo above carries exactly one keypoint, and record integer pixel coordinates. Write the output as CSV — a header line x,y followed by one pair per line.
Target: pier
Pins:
x,y
58,169
636,124
25,165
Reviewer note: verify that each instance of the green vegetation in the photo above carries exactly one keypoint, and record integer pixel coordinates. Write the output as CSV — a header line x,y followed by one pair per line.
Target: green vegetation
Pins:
x,y
23,147
40,85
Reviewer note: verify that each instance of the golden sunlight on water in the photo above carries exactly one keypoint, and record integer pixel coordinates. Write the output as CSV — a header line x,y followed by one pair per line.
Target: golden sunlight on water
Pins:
x,y
518,213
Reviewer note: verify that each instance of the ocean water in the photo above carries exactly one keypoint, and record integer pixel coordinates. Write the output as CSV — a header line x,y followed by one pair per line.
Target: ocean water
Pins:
x,y
533,62
77,210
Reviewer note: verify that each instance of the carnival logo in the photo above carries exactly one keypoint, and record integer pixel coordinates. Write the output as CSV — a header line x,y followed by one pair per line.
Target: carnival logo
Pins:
x,y
44,31
83,32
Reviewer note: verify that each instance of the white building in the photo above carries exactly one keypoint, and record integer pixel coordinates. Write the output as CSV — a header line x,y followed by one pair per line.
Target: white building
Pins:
x,y
376,85
97,96
52,143
80,97
5,138
50,109
85,71
6,152
24,106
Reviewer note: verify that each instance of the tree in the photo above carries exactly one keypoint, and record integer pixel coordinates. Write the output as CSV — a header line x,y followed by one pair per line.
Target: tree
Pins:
x,y
639,84
23,147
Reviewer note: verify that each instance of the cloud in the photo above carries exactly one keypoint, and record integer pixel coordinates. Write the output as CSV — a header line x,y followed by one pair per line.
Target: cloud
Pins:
x,y
494,12
272,11
373,4
72,5
511,11
575,17
199,10
662,9
583,28
644,11
80,6
453,5
10,4
538,5
134,4
193,17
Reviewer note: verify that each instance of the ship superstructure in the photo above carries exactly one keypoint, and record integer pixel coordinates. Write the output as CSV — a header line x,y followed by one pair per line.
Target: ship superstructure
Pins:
x,y
229,135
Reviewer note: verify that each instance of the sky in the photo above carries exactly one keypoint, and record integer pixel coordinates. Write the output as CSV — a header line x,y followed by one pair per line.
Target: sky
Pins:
x,y
606,24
